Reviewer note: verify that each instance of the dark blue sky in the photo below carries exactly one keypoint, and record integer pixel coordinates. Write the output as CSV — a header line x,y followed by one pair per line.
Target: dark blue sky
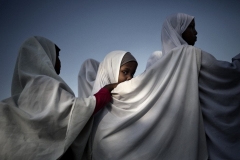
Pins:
x,y
91,29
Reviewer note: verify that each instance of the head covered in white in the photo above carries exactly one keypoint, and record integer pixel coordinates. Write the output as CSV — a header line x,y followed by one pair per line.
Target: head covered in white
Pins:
x,y
172,30
171,36
109,69
154,57
86,77
43,117
219,90
155,115
37,56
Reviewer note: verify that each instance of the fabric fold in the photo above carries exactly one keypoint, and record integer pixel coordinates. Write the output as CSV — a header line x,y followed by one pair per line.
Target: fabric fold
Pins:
x,y
42,117
156,115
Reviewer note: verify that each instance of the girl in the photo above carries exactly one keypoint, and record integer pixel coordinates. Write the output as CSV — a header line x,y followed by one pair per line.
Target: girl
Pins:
x,y
125,65
43,117
151,116
219,88
117,67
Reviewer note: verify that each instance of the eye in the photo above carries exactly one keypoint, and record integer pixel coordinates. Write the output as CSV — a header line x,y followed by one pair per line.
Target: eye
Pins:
x,y
125,72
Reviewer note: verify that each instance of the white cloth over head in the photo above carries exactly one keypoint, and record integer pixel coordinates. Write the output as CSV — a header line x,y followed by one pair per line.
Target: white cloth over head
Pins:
x,y
43,117
86,77
155,56
108,70
155,115
219,92
172,30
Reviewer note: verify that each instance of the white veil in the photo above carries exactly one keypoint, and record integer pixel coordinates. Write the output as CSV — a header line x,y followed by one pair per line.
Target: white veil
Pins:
x,y
219,92
172,30
43,117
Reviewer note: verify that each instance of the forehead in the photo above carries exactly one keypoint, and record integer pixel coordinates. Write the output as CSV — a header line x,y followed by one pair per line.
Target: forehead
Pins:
x,y
130,65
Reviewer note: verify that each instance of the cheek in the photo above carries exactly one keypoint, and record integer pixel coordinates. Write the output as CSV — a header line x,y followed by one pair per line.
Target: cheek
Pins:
x,y
121,78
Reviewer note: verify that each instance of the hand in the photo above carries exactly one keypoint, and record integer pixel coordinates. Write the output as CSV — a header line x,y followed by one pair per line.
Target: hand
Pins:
x,y
110,87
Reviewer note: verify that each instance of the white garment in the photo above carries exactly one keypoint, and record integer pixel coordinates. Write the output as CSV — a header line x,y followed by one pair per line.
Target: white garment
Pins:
x,y
42,118
219,92
155,56
155,115
108,70
86,77
172,30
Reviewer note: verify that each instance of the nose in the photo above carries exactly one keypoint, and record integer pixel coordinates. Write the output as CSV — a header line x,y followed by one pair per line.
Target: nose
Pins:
x,y
195,32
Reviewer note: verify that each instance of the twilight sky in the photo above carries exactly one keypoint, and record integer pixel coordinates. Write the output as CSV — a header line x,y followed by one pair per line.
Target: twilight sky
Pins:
x,y
92,28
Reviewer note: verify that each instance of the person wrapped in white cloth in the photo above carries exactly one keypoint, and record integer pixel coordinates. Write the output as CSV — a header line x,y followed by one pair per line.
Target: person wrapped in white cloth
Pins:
x,y
219,89
155,115
43,117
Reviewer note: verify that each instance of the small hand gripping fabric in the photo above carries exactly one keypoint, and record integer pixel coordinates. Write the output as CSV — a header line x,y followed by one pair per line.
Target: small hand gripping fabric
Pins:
x,y
103,96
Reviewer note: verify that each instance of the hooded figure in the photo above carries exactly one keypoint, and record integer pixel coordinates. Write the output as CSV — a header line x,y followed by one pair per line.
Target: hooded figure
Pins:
x,y
219,89
42,117
109,69
155,115
86,77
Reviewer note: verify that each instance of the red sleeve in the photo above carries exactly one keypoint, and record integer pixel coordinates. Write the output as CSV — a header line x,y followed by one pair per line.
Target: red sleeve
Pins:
x,y
103,96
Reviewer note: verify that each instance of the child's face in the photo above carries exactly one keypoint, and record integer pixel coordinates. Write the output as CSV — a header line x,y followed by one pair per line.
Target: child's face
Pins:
x,y
127,71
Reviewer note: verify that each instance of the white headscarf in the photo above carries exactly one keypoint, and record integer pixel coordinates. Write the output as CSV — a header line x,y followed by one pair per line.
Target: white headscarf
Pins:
x,y
219,90
86,77
37,56
154,57
43,117
172,30
171,35
108,70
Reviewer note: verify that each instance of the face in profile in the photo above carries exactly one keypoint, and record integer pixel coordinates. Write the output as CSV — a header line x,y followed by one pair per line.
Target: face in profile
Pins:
x,y
58,62
190,34
127,71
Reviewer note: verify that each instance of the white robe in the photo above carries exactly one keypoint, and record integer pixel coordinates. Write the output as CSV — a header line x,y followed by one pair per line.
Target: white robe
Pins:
x,y
42,117
156,115
86,78
219,91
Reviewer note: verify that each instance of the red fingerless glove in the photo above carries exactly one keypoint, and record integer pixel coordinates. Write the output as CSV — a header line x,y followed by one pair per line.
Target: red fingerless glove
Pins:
x,y
103,96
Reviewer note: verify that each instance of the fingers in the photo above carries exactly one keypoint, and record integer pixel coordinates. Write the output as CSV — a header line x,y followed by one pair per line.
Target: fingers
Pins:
x,y
110,87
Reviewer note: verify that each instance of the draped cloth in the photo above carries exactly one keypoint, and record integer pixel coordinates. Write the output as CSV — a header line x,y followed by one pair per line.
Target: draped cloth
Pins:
x,y
42,117
219,92
172,30
155,115
108,70
86,77
155,56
